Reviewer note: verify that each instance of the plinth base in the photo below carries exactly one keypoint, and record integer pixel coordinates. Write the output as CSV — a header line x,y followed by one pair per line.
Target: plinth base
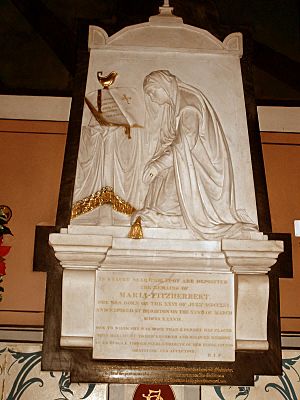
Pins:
x,y
164,297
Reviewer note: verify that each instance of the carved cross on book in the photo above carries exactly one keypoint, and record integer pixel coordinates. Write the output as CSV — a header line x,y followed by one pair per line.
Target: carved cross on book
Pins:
x,y
108,112
117,106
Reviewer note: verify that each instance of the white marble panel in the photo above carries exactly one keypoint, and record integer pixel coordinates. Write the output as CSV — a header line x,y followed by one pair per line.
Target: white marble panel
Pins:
x,y
252,312
108,159
164,316
217,76
174,244
77,306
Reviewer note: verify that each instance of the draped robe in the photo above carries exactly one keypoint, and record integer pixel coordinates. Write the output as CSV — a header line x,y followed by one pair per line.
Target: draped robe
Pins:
x,y
194,186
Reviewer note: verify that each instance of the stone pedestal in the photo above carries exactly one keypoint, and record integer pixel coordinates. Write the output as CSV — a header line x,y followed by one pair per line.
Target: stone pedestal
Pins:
x,y
111,282
250,262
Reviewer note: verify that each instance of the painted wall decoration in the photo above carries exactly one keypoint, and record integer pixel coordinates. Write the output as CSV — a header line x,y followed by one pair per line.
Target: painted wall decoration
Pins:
x,y
21,378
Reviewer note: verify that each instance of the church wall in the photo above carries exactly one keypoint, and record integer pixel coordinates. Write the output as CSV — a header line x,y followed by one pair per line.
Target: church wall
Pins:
x,y
31,162
282,162
280,136
31,159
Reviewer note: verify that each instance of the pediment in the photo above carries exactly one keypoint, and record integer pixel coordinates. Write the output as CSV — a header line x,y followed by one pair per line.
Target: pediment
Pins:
x,y
166,32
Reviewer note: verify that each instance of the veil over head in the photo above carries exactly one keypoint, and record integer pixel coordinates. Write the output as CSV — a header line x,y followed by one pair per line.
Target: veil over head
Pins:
x,y
165,80
194,160
161,120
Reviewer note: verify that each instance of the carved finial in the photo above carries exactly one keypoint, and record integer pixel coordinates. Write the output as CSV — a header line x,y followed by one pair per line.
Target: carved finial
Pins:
x,y
166,10
165,16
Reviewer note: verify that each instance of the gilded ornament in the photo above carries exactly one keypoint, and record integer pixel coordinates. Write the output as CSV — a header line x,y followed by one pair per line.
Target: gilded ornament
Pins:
x,y
103,196
108,80
153,395
136,231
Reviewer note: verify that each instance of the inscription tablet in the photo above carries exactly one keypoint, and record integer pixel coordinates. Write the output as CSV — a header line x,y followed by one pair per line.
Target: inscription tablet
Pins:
x,y
164,316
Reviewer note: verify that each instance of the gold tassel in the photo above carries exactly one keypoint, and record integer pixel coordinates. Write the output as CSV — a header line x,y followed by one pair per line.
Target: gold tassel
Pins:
x,y
136,231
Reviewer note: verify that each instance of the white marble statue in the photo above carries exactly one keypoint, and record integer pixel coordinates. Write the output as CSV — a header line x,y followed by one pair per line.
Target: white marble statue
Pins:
x,y
176,170
190,175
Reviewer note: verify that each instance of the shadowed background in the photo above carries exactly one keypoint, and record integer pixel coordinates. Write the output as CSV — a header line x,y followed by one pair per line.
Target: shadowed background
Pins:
x,y
38,39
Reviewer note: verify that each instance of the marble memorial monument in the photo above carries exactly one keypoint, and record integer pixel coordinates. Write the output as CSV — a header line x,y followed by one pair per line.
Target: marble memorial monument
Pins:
x,y
163,250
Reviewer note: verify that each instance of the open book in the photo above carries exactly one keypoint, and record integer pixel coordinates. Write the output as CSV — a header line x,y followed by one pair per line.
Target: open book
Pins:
x,y
116,107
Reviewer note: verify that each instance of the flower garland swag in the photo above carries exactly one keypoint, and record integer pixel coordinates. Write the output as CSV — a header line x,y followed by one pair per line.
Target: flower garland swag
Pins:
x,y
5,216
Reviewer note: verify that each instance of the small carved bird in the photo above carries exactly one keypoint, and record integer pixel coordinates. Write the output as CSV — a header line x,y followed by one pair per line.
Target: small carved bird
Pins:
x,y
107,80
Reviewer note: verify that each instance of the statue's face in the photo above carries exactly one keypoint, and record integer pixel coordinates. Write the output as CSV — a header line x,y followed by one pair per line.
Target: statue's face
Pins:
x,y
158,95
